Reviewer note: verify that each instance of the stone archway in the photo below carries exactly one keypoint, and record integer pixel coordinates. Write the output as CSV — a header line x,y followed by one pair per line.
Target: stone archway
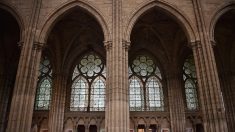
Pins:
x,y
70,33
65,8
158,32
10,34
224,31
176,14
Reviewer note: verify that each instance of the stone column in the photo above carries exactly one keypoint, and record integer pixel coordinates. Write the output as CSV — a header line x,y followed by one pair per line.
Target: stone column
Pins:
x,y
212,105
87,127
117,104
56,113
176,101
21,111
147,127
210,96
22,103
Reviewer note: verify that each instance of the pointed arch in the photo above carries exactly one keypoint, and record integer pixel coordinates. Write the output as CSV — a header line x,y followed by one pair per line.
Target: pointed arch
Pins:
x,y
136,94
217,15
79,95
88,83
180,17
190,84
59,12
44,85
97,98
16,14
154,94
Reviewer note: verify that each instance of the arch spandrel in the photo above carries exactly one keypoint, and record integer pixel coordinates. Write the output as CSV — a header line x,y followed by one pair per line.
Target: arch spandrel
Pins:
x,y
59,12
176,14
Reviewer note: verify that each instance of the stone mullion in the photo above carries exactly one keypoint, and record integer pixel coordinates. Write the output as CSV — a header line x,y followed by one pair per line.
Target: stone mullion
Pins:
x,y
56,113
176,103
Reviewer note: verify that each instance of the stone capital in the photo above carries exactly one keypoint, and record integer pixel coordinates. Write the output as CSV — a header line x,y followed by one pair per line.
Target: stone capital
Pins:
x,y
195,44
38,46
126,44
213,43
108,45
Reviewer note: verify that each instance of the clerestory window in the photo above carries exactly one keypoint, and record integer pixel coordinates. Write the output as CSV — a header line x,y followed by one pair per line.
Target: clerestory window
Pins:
x,y
190,83
44,86
145,85
88,84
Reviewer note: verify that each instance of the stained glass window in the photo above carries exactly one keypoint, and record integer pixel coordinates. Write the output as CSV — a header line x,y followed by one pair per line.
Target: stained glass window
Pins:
x,y
190,83
97,95
155,95
79,95
88,84
136,97
145,88
44,86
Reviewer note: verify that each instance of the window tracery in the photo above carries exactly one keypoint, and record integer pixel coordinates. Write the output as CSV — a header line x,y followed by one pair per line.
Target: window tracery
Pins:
x,y
145,86
44,86
88,84
190,83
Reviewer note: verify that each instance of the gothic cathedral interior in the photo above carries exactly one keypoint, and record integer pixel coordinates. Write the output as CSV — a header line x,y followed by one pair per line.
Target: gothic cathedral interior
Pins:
x,y
117,65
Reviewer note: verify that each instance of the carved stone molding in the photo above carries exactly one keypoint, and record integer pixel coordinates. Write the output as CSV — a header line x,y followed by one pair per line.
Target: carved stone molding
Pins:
x,y
38,46
213,43
126,44
108,45
196,44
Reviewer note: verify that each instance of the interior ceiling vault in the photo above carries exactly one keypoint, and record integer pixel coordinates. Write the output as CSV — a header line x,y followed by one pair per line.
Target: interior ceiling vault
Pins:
x,y
157,32
225,40
75,33
9,38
